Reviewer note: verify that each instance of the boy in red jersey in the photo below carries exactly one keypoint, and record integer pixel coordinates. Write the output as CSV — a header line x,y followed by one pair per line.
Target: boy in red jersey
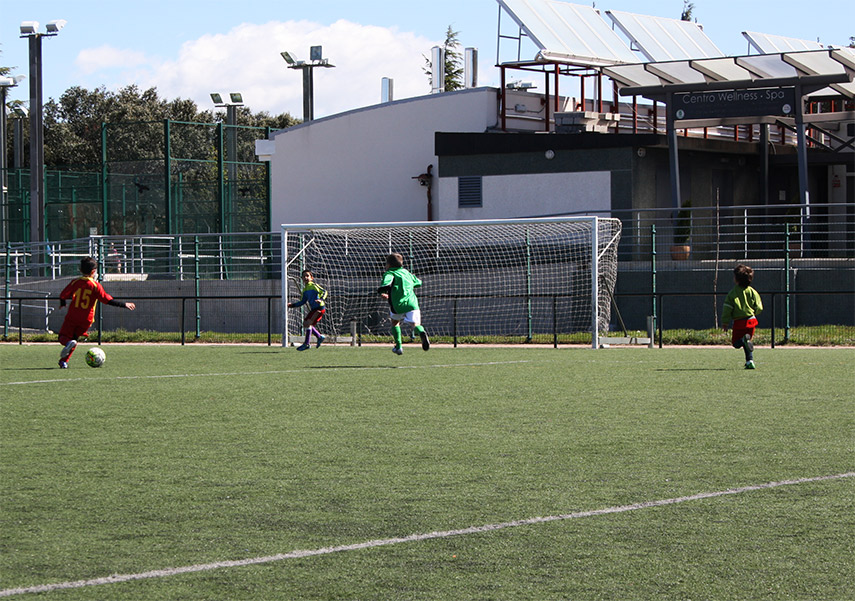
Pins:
x,y
84,294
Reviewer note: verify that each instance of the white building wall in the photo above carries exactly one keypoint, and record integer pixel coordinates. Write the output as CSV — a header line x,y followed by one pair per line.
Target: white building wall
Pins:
x,y
359,166
531,195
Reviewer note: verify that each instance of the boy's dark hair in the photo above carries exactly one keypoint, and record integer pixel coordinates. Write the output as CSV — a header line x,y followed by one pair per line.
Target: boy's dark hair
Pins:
x,y
744,275
395,260
305,271
88,265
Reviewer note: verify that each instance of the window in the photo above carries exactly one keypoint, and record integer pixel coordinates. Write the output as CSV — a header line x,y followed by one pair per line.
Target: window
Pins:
x,y
469,191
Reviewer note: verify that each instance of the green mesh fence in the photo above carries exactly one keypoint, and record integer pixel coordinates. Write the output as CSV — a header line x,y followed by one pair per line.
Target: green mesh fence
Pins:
x,y
156,178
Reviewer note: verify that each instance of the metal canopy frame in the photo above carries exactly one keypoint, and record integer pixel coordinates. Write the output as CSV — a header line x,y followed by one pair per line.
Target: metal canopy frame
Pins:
x,y
805,71
573,35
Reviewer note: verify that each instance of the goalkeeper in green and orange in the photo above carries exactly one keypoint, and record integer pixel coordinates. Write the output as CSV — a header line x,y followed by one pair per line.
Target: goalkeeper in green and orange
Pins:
x,y
398,288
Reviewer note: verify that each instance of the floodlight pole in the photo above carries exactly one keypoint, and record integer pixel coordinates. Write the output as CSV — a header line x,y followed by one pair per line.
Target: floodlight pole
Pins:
x,y
37,145
308,93
227,200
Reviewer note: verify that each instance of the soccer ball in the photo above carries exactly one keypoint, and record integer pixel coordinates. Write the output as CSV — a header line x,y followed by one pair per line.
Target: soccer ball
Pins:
x,y
95,357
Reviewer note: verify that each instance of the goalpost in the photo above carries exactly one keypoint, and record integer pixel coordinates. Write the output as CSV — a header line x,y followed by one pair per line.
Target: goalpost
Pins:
x,y
484,280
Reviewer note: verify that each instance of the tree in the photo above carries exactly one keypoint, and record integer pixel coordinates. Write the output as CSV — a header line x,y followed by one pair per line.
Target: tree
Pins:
x,y
453,62
688,9
134,132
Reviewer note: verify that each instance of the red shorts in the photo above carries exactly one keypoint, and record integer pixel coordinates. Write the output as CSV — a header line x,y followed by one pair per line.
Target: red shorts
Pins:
x,y
313,317
741,327
73,331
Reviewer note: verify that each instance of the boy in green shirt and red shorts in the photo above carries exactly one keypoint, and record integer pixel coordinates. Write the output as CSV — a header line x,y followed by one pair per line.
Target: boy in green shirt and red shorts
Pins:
x,y
398,288
742,306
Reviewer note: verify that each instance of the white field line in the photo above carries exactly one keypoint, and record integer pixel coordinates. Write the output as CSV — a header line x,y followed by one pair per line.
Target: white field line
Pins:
x,y
383,542
259,373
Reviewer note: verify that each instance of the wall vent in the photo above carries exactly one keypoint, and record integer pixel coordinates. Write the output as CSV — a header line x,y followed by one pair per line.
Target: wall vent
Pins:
x,y
469,191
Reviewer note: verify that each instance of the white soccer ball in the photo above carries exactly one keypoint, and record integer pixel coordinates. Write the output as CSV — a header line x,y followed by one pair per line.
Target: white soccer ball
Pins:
x,y
95,357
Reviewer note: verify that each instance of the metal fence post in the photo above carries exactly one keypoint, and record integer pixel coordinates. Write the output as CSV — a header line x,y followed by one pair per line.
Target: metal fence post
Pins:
x,y
787,283
7,303
454,321
196,276
100,247
528,282
653,273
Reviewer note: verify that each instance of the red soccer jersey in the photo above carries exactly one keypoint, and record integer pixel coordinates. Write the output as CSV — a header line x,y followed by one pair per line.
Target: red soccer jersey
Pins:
x,y
84,294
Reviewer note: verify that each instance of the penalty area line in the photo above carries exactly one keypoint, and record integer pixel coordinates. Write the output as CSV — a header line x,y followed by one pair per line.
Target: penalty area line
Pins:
x,y
261,373
383,542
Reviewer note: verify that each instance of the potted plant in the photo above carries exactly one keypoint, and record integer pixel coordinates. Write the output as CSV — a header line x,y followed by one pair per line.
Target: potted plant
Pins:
x,y
682,232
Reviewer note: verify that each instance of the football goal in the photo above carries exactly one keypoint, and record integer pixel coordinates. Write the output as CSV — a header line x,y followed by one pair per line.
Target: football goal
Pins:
x,y
500,280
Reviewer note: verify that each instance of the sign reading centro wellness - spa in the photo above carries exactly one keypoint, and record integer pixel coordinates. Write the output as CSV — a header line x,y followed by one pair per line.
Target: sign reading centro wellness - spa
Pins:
x,y
734,103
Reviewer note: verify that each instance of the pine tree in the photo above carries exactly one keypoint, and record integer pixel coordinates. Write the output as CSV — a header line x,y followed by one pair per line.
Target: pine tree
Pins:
x,y
453,62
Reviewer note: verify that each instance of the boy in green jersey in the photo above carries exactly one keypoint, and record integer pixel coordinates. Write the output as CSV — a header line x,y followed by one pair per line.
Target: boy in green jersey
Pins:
x,y
742,306
398,288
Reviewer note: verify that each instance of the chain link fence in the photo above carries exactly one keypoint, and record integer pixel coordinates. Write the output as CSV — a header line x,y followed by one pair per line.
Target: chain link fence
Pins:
x,y
795,250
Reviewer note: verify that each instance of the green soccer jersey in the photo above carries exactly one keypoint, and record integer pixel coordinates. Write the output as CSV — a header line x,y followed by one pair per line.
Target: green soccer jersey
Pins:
x,y
741,303
400,284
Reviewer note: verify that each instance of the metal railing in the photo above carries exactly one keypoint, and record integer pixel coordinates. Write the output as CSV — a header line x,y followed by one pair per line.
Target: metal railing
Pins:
x,y
778,317
180,257
741,233
702,237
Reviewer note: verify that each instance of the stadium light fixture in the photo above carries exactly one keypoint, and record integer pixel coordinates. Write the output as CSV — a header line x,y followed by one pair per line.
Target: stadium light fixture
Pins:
x,y
315,60
55,25
236,98
218,100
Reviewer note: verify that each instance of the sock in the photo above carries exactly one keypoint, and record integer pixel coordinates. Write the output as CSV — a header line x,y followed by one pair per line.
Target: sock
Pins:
x,y
396,335
418,329
308,334
314,331
748,347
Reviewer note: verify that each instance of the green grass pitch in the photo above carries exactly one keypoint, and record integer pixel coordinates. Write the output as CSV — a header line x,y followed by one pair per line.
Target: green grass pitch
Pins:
x,y
171,457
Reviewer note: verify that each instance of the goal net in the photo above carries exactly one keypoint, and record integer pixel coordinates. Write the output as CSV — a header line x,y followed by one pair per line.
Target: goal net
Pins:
x,y
502,280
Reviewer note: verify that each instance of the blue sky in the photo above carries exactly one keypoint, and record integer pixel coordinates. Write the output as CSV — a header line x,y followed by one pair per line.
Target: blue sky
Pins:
x,y
190,48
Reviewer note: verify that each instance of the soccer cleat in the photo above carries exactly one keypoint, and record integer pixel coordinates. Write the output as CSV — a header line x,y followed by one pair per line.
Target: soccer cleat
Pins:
x,y
63,364
320,341
303,347
398,350
72,344
750,365
425,340
747,344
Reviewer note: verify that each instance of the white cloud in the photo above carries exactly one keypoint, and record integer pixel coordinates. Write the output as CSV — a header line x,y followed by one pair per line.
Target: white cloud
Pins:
x,y
247,60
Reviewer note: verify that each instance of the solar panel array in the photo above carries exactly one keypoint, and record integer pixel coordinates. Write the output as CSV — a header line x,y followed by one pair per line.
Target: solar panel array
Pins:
x,y
579,35
663,51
